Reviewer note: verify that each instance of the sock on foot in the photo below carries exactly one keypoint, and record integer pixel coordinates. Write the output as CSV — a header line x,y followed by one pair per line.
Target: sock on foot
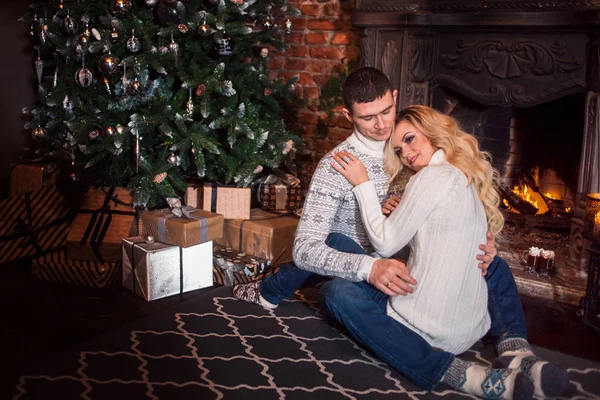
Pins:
x,y
488,383
548,379
250,293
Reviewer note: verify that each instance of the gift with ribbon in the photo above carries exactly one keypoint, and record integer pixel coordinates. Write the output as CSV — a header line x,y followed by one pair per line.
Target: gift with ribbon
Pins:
x,y
33,223
156,270
234,263
106,216
267,235
230,201
58,267
183,226
278,192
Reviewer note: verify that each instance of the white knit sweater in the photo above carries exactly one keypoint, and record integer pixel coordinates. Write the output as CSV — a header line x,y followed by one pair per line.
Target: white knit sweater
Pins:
x,y
330,207
443,221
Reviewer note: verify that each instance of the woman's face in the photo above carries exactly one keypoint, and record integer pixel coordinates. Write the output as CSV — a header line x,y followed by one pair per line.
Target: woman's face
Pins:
x,y
413,148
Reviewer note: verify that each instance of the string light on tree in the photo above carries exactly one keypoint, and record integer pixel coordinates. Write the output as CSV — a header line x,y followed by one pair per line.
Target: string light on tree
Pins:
x,y
109,131
38,132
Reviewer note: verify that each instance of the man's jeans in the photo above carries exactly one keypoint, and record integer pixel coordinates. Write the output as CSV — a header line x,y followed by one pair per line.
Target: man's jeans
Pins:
x,y
361,308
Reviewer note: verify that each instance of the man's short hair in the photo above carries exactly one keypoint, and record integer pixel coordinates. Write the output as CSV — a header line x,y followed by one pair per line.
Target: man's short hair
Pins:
x,y
364,86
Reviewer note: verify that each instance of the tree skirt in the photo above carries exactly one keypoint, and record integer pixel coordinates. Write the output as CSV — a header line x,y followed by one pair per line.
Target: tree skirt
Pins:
x,y
216,347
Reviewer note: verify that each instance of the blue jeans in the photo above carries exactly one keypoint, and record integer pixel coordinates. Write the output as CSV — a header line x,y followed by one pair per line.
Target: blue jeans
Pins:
x,y
412,356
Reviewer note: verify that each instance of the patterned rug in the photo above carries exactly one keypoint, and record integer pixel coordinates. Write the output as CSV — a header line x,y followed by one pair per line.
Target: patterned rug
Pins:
x,y
216,347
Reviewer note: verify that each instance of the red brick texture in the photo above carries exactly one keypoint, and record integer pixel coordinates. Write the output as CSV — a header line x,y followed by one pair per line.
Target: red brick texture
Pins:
x,y
322,41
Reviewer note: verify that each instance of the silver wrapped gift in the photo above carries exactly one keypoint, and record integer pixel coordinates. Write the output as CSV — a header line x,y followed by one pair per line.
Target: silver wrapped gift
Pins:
x,y
157,270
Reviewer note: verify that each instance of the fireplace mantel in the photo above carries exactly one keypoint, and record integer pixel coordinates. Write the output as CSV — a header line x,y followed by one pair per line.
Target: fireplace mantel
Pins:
x,y
498,53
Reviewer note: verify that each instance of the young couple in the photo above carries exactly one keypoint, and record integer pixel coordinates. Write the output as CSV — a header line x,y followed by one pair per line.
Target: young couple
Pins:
x,y
416,316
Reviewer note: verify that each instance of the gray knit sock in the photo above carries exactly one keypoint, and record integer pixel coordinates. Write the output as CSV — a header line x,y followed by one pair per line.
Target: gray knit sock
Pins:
x,y
488,383
548,379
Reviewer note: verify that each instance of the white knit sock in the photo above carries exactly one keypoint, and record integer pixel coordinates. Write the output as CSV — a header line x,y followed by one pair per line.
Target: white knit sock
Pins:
x,y
488,383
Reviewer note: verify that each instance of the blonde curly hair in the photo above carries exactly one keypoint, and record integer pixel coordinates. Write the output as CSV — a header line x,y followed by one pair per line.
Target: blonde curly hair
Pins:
x,y
462,151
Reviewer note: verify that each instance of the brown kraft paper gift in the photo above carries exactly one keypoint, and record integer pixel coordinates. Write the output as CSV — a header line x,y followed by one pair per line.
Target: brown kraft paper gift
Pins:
x,y
266,235
26,177
231,202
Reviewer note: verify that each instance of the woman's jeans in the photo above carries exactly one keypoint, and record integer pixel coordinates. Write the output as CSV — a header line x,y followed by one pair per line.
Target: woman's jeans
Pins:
x,y
361,309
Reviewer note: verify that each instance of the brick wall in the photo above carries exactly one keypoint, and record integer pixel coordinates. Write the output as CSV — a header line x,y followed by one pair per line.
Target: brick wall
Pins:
x,y
321,42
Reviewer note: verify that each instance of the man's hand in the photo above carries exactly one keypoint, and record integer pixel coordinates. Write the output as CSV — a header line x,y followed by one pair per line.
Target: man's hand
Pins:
x,y
391,277
490,252
390,205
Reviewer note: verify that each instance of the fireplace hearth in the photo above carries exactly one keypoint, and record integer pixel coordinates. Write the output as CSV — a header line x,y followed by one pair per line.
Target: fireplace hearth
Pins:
x,y
524,78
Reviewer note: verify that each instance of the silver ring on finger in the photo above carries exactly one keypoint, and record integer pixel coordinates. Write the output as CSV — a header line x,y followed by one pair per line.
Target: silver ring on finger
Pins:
x,y
346,159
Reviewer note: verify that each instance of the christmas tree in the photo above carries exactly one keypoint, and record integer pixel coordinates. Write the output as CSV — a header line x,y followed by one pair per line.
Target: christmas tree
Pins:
x,y
145,94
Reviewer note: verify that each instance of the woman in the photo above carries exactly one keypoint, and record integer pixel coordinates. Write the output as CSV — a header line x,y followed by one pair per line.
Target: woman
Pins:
x,y
448,206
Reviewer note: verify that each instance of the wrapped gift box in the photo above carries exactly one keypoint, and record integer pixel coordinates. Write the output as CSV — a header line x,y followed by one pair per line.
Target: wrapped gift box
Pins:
x,y
223,278
157,270
231,202
106,216
26,177
233,262
33,223
280,197
57,267
198,227
193,196
265,235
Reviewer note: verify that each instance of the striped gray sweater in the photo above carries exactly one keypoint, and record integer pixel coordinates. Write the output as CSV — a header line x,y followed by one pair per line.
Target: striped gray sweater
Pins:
x,y
331,207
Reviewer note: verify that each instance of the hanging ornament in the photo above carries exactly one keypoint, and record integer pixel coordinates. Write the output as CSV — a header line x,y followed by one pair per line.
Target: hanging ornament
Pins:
x,y
120,8
55,79
135,87
174,49
183,28
204,29
189,106
264,52
172,159
267,24
288,26
133,44
69,25
108,64
84,77
149,239
94,134
109,131
114,34
267,92
39,67
96,34
83,40
158,178
61,5
43,31
107,84
150,3
166,13
86,30
136,149
67,104
200,89
38,132
224,44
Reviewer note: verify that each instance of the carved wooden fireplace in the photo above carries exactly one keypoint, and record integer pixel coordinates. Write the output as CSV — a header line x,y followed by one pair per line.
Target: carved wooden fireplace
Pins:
x,y
515,63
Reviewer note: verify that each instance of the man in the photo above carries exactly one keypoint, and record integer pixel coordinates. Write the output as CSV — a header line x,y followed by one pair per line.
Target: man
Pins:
x,y
331,241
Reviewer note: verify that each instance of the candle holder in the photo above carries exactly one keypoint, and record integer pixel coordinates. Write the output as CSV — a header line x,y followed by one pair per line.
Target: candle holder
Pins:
x,y
591,303
591,223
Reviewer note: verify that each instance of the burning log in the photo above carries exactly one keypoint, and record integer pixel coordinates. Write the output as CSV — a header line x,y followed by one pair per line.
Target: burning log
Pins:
x,y
555,206
522,206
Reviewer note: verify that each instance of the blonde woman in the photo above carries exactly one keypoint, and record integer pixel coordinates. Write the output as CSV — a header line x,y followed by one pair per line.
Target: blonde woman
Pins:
x,y
449,204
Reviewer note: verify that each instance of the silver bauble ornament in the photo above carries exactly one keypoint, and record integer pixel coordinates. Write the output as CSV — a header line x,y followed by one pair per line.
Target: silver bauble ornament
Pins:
x,y
69,25
133,44
120,8
83,77
38,132
108,64
149,239
135,87
114,35
109,131
224,44
172,159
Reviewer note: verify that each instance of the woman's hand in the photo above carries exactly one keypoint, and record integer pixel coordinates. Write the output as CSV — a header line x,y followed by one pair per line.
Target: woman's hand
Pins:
x,y
351,167
390,205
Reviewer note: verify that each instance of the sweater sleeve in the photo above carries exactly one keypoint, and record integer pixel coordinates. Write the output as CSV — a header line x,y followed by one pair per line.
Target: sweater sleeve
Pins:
x,y
311,252
425,191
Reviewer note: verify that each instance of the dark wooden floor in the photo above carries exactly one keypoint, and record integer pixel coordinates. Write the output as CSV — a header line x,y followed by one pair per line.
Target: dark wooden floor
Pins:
x,y
40,318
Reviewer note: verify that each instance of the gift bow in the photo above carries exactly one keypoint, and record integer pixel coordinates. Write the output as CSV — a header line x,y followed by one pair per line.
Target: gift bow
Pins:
x,y
286,179
179,210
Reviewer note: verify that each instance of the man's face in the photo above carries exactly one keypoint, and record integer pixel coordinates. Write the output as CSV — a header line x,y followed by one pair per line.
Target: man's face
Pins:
x,y
374,120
